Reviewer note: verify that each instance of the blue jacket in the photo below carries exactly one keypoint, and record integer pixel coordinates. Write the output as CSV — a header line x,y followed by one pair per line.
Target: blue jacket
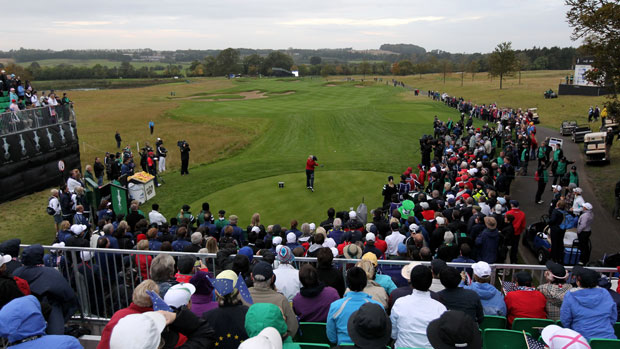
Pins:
x,y
589,311
339,313
492,300
21,318
386,282
179,245
487,243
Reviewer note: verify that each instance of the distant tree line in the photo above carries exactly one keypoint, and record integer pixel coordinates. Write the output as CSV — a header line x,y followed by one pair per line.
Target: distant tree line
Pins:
x,y
34,71
392,59
537,58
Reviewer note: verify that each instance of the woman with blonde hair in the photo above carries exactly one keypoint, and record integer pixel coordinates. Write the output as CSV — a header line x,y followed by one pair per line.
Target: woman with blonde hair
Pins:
x,y
376,291
140,303
143,261
256,227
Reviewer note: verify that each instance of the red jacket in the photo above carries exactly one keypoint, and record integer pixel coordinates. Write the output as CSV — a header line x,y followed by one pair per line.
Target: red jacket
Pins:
x,y
381,244
519,222
311,164
143,262
527,304
104,343
429,215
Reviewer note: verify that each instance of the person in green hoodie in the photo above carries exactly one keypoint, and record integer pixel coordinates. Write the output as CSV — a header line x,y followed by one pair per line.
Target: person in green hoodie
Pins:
x,y
560,170
263,315
573,176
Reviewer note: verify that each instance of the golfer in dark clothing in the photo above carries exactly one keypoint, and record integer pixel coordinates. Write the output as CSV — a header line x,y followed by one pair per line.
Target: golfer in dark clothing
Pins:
x,y
117,136
310,165
184,158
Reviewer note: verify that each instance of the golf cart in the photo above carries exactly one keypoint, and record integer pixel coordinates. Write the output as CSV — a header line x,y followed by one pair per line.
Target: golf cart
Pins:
x,y
595,148
534,115
567,127
579,132
610,123
538,239
550,94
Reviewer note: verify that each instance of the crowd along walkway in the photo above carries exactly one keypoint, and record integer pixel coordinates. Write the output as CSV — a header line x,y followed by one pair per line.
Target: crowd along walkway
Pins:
x,y
605,229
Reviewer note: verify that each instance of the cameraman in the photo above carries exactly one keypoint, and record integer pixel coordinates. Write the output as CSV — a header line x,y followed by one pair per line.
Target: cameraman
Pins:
x,y
184,156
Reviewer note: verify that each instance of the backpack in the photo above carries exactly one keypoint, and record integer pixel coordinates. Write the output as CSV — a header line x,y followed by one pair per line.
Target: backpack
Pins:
x,y
50,211
569,221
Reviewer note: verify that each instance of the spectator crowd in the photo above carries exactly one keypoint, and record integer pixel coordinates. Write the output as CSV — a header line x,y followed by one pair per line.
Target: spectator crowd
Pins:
x,y
256,289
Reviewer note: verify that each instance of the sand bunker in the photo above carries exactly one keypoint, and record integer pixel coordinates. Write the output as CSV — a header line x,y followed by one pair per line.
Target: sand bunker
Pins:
x,y
331,85
360,86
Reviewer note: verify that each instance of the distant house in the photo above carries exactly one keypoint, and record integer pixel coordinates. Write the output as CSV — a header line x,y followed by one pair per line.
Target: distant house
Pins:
x,y
279,72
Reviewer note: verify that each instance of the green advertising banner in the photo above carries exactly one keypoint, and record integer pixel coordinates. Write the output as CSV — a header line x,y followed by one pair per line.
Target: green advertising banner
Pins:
x,y
118,196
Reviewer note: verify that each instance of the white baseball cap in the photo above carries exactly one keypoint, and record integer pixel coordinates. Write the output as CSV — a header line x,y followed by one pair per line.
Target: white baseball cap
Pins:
x,y
5,259
587,206
268,338
413,227
276,240
557,337
577,190
138,331
557,187
179,294
481,269
352,214
370,237
291,238
440,220
77,229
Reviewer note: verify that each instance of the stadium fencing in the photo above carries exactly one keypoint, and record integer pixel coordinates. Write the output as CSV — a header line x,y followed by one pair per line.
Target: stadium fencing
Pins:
x,y
101,293
30,119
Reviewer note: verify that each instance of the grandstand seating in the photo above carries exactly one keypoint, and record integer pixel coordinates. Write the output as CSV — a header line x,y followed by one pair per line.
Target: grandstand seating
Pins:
x,y
312,332
493,321
312,345
600,343
533,326
5,102
494,338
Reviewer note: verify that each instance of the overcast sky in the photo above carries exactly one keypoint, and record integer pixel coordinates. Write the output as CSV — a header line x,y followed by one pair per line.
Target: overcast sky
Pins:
x,y
449,25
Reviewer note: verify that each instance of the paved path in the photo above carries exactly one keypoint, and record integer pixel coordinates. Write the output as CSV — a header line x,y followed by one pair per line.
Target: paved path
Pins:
x,y
605,229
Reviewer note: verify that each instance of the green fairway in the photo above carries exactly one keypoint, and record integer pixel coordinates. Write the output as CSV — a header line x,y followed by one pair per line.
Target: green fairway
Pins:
x,y
349,129
340,189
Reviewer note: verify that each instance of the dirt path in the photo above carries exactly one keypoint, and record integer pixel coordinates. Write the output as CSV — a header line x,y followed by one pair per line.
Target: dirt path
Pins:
x,y
605,229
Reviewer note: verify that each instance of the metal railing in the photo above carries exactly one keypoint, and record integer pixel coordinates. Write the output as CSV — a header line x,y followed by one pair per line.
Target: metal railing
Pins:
x,y
105,284
29,119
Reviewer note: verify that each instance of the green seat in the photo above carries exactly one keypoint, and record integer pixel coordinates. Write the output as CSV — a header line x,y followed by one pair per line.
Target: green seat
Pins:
x,y
532,326
312,332
312,345
493,321
617,329
495,338
603,343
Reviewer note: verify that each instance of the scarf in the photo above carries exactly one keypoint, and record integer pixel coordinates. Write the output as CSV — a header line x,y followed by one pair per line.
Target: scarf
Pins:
x,y
311,292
